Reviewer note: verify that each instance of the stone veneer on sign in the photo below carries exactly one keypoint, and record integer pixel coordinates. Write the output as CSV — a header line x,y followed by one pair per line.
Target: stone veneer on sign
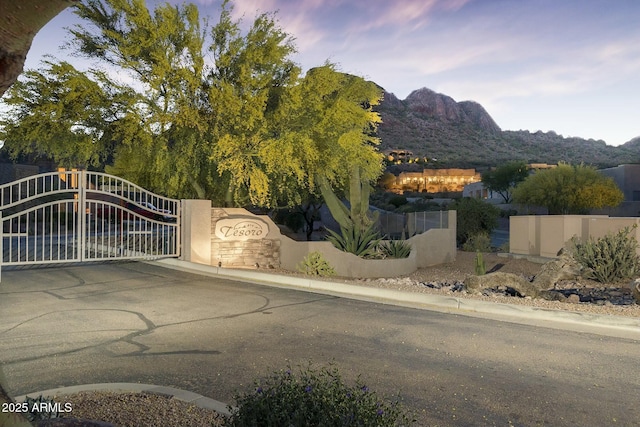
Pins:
x,y
240,239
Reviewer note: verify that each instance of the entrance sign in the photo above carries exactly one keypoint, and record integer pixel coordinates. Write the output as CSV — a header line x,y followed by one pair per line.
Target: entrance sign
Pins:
x,y
241,228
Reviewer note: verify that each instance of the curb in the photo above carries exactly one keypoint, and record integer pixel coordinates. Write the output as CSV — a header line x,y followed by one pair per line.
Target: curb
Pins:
x,y
186,396
628,327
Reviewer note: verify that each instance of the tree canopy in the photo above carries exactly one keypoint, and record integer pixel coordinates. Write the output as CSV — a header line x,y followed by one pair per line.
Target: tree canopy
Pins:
x,y
504,178
193,111
569,189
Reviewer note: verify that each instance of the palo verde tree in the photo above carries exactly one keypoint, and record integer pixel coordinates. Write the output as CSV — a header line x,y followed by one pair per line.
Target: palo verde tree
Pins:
x,y
568,189
208,113
504,178
89,119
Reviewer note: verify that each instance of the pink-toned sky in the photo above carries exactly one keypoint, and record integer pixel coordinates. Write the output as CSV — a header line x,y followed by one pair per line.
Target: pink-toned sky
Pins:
x,y
572,66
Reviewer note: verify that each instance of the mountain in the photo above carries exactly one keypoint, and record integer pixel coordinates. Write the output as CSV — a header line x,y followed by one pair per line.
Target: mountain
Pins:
x,y
463,134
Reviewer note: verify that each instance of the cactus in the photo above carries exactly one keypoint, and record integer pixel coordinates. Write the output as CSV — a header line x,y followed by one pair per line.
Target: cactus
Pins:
x,y
609,259
357,215
480,266
357,229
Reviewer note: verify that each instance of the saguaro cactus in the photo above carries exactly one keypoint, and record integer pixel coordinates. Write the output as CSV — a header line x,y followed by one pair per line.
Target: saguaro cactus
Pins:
x,y
480,266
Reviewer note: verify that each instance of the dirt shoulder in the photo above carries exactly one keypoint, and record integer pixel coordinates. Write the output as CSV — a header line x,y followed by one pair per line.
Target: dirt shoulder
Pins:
x,y
590,296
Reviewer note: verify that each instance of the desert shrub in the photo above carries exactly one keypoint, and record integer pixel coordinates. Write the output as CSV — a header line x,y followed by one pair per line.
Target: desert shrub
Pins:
x,y
314,264
395,249
474,216
313,397
419,206
362,242
398,201
478,242
507,213
292,219
608,259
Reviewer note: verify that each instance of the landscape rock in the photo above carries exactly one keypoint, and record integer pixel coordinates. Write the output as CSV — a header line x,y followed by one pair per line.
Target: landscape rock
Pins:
x,y
552,272
635,290
499,279
573,299
73,422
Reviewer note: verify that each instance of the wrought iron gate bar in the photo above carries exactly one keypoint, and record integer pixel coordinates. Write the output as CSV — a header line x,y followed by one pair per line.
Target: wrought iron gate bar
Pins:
x,y
75,216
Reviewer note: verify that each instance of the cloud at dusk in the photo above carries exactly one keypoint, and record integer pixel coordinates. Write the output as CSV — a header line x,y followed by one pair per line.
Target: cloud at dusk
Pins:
x,y
570,66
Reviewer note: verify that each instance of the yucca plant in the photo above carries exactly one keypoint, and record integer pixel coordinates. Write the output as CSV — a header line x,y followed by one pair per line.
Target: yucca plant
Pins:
x,y
360,241
395,249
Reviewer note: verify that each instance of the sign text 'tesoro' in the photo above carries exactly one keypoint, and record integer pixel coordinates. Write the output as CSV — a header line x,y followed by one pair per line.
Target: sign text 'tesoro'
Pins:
x,y
241,229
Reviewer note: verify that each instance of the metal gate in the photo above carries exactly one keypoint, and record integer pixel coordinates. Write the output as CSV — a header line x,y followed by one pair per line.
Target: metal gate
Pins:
x,y
77,216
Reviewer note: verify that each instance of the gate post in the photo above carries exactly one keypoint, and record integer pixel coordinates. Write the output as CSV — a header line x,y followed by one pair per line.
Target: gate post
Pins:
x,y
196,231
1,241
81,179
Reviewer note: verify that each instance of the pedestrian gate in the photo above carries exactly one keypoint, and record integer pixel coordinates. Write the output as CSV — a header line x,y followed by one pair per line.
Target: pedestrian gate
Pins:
x,y
77,216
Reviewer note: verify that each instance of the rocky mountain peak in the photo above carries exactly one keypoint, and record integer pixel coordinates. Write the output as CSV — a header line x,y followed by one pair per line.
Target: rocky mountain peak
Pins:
x,y
427,104
463,134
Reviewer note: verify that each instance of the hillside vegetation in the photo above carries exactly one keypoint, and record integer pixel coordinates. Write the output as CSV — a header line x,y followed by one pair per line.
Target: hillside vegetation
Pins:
x,y
463,134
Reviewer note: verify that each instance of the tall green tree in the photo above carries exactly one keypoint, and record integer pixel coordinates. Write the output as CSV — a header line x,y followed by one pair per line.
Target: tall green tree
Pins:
x,y
569,189
243,126
504,178
161,133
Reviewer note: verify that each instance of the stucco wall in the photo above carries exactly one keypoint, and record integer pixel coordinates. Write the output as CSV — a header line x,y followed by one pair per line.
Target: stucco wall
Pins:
x,y
231,248
345,264
195,231
433,247
545,235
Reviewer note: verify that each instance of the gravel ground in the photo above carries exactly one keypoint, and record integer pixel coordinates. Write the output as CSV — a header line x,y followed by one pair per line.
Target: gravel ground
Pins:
x,y
614,299
134,410
142,409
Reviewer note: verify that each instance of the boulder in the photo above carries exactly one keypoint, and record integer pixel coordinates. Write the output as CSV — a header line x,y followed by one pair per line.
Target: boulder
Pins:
x,y
510,280
563,268
635,290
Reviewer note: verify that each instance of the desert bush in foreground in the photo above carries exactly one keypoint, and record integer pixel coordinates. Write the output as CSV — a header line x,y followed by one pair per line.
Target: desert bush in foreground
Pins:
x,y
608,259
313,397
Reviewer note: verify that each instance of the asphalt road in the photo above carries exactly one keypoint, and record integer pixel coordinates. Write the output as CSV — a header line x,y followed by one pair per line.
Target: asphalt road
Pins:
x,y
142,323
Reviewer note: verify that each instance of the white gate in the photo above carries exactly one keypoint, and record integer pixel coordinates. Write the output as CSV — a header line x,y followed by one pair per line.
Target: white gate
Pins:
x,y
77,216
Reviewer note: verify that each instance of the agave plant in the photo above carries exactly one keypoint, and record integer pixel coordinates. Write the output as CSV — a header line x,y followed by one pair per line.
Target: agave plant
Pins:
x,y
395,249
362,242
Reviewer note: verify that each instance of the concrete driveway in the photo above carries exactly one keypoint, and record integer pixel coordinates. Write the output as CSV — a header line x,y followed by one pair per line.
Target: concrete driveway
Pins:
x,y
143,323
